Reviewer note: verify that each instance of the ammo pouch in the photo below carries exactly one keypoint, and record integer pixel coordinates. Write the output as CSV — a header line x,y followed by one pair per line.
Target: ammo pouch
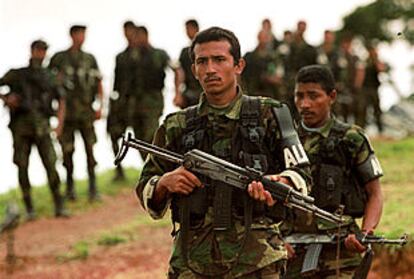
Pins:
x,y
197,206
355,199
328,190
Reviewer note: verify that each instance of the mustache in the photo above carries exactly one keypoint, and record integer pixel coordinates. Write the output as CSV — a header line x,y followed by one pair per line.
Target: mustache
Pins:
x,y
305,111
212,78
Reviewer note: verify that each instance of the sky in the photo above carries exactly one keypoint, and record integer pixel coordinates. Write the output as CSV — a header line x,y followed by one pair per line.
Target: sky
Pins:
x,y
22,21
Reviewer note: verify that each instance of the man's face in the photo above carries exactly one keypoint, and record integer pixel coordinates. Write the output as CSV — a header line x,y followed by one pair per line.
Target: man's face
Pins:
x,y
313,103
214,67
191,31
38,54
129,33
78,38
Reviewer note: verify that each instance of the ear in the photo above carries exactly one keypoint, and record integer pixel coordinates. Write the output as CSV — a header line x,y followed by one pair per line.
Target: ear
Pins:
x,y
332,96
194,71
240,66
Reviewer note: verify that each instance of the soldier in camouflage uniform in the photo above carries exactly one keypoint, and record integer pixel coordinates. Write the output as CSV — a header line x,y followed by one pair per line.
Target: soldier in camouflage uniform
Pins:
x,y
32,90
189,95
369,93
263,73
301,54
146,100
117,121
350,75
345,171
80,74
227,233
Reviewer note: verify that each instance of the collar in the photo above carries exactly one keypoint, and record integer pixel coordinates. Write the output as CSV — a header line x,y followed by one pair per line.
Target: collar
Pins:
x,y
323,131
231,111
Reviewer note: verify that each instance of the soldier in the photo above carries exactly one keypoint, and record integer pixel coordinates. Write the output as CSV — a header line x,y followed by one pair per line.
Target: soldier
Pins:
x,y
267,27
147,99
188,96
263,73
227,233
350,78
328,53
301,54
369,93
117,121
345,171
32,90
79,72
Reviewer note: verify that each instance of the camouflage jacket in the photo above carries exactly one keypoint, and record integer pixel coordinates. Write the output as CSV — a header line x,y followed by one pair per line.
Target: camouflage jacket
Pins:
x,y
209,250
359,151
261,66
36,87
80,76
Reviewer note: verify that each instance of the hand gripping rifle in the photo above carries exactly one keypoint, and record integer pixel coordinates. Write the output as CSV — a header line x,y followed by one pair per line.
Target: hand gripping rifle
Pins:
x,y
218,169
314,244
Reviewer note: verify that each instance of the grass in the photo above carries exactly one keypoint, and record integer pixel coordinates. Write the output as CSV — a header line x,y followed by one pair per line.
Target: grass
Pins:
x,y
396,158
42,198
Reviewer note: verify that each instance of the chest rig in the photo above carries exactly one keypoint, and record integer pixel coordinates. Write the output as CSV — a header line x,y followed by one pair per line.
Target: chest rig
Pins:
x,y
237,141
335,182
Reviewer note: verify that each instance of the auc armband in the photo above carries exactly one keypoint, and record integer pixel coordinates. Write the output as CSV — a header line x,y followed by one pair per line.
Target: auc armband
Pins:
x,y
369,169
293,152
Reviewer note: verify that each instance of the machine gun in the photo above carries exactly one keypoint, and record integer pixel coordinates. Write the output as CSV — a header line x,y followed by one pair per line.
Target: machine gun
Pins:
x,y
314,243
220,170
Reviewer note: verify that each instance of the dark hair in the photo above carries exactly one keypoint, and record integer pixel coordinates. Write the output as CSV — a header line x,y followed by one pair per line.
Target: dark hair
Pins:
x,y
39,44
217,34
142,29
128,24
76,28
193,23
317,74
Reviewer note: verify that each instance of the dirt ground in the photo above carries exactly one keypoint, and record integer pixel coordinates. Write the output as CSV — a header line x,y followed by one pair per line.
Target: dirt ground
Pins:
x,y
39,244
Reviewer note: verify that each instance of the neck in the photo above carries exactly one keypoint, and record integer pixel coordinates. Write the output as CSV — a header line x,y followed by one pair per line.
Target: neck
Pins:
x,y
222,99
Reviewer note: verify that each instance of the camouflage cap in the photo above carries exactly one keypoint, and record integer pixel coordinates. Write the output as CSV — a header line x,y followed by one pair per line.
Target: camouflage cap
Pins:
x,y
39,44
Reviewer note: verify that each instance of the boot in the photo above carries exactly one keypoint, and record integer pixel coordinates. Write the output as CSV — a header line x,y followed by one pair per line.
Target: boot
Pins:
x,y
31,214
119,174
70,189
93,190
60,211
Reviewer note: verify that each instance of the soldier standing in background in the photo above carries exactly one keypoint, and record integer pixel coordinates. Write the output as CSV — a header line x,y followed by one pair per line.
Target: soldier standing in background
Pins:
x,y
80,74
369,93
345,172
267,27
190,94
32,90
328,53
301,54
350,78
262,75
117,121
147,100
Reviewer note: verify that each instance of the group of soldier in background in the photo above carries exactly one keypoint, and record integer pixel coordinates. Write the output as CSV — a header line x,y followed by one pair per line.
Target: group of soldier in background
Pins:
x,y
73,78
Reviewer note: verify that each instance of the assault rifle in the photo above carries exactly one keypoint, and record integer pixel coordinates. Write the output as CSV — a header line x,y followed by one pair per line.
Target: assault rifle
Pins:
x,y
314,243
220,170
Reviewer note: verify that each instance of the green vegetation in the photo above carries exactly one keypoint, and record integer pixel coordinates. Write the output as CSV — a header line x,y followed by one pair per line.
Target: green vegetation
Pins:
x,y
79,251
396,158
43,200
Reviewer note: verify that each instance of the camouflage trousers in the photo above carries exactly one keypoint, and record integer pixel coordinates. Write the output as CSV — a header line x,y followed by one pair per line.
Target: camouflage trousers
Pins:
x,y
22,144
368,97
67,142
272,271
145,115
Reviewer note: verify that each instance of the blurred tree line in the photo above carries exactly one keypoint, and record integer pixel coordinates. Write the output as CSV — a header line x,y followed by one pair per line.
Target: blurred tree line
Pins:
x,y
383,20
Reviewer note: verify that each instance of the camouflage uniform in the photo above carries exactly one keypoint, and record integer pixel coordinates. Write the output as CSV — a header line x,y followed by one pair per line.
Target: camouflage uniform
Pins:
x,y
347,65
339,154
213,252
369,96
192,90
261,65
118,115
146,100
80,75
29,124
